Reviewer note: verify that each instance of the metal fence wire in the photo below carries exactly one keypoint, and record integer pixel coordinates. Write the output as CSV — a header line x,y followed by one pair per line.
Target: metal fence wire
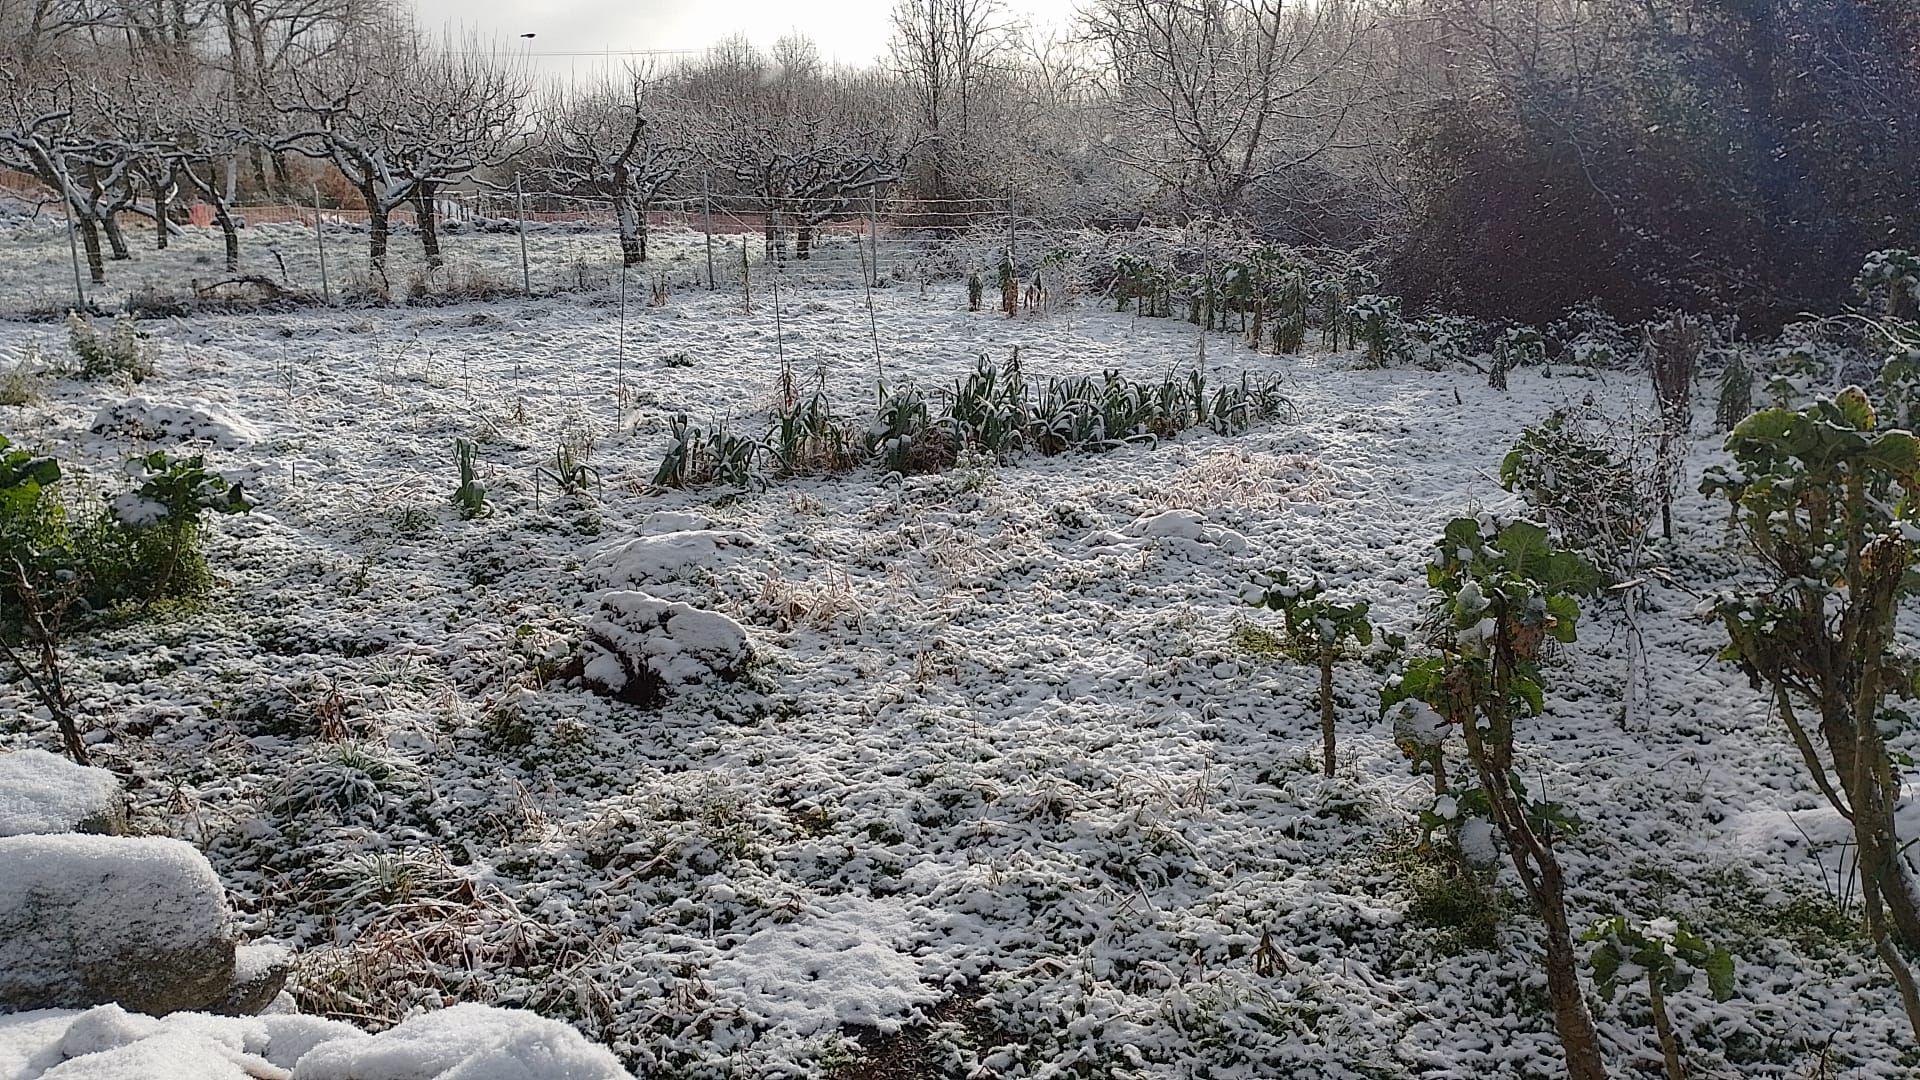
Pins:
x,y
498,243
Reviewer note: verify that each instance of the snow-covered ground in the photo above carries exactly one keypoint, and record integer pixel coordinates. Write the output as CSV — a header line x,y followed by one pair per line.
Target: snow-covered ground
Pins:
x,y
999,775
482,259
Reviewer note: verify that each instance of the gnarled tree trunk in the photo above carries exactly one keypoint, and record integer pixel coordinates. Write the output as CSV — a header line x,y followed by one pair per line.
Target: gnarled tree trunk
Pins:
x,y
90,240
424,212
230,234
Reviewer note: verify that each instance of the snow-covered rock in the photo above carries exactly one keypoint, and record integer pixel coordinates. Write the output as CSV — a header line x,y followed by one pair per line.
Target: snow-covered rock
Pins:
x,y
1183,532
465,1042
638,648
46,793
186,418
667,555
85,920
259,971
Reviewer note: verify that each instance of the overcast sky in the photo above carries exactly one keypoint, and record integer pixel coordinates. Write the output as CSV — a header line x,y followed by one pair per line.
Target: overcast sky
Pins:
x,y
849,31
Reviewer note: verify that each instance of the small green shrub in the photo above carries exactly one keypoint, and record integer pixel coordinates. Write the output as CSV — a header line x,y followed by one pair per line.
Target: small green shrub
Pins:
x,y
168,507
1826,496
1734,401
1291,301
1446,896
122,353
1374,323
1584,488
143,546
20,385
1589,337
1502,594
902,437
1516,347
1890,281
1440,341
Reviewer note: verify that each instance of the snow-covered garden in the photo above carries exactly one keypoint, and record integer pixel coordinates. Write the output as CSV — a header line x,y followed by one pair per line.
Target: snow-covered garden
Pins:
x,y
942,756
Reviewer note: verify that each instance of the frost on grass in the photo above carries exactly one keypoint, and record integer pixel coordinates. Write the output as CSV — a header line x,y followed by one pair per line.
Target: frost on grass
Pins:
x,y
45,793
1049,753
638,648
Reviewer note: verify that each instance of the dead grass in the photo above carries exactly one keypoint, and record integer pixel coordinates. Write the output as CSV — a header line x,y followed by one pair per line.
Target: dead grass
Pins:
x,y
1245,479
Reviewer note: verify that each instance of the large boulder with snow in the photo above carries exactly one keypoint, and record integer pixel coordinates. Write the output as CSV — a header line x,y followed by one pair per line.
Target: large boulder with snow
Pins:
x,y
46,793
142,921
638,648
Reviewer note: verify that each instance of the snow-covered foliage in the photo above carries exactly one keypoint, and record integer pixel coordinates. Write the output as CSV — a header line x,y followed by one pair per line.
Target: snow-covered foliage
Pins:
x,y
180,419
639,648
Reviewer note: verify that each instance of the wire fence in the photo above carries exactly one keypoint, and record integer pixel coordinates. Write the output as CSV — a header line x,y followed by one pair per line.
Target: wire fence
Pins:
x,y
492,244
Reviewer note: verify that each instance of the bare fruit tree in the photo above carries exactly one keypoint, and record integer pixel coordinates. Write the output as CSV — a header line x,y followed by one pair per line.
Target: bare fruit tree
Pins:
x,y
262,40
210,143
403,122
806,169
47,136
621,144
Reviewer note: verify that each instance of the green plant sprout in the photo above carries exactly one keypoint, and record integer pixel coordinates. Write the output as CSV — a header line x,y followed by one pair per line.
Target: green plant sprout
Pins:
x,y
471,495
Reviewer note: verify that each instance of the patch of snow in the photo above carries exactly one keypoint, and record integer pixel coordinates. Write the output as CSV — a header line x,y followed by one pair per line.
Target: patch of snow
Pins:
x,y
1183,532
465,1042
665,555
193,419
819,972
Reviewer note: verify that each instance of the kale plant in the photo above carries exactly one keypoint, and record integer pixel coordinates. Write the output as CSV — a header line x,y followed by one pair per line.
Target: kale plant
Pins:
x,y
1670,958
1827,499
1318,632
1504,593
